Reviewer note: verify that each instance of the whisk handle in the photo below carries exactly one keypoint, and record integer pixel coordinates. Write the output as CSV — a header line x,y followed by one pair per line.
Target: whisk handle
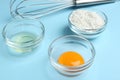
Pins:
x,y
91,2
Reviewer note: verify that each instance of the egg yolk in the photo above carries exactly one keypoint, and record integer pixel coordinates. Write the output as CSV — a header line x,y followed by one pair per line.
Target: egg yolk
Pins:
x,y
71,58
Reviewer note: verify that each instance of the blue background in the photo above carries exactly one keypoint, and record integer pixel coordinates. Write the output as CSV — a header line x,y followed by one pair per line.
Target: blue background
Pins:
x,y
37,66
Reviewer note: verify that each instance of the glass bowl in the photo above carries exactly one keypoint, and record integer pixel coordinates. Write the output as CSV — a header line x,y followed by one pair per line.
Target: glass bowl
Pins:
x,y
74,43
89,31
23,35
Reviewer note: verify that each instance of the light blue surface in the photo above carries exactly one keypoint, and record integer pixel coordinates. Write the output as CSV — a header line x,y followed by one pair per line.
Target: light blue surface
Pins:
x,y
37,66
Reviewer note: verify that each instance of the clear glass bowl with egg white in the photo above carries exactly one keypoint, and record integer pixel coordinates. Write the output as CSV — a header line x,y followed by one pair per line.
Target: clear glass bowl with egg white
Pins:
x,y
22,36
88,23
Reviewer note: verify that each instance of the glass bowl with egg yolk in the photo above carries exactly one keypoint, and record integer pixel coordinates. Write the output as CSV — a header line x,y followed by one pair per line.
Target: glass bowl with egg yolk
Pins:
x,y
71,55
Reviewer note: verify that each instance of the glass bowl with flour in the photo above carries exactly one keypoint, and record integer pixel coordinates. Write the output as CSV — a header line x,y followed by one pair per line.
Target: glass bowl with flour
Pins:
x,y
87,23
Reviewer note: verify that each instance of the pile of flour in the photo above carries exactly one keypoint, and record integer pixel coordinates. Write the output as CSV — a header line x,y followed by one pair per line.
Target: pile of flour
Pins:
x,y
87,20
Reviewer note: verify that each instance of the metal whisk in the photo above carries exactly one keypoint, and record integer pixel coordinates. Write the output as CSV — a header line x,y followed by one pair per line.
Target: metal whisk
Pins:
x,y
38,8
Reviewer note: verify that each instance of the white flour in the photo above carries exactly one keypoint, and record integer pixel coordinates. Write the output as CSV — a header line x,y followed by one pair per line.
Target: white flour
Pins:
x,y
86,20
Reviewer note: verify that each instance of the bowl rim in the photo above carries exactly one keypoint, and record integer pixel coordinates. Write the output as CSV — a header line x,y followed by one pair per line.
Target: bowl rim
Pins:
x,y
22,19
85,31
72,67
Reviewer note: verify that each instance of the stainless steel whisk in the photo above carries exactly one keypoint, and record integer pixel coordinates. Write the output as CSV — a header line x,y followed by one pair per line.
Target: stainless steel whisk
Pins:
x,y
39,8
